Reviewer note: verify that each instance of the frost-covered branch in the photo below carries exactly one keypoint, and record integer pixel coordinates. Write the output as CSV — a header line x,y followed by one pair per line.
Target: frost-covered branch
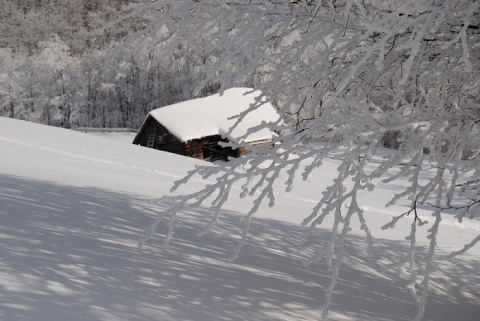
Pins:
x,y
348,78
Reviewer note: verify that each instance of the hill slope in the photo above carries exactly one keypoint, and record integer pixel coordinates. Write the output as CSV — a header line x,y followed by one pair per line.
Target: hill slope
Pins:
x,y
73,207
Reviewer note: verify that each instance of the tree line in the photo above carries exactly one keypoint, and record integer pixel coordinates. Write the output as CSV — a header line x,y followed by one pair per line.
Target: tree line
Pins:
x,y
58,68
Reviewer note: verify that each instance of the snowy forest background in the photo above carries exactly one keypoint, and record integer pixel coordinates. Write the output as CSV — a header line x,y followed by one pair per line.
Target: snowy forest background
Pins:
x,y
346,76
57,67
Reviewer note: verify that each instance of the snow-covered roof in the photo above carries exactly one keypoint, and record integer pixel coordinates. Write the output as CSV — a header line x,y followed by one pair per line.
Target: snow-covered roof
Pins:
x,y
210,115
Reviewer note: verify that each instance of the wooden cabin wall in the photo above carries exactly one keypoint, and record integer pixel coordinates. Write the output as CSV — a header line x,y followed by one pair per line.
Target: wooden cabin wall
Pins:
x,y
142,137
164,140
208,149
194,148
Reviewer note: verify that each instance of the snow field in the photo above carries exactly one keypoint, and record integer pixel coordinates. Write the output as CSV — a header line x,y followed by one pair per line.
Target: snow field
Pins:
x,y
73,207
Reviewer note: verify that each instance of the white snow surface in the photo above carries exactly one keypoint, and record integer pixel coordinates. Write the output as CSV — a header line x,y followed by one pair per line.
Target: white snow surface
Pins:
x,y
212,115
73,207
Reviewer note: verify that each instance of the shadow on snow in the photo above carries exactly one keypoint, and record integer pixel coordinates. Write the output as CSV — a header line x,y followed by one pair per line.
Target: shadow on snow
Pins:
x,y
69,253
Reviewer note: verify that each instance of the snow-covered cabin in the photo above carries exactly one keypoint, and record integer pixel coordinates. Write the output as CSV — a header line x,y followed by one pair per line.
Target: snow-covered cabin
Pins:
x,y
194,128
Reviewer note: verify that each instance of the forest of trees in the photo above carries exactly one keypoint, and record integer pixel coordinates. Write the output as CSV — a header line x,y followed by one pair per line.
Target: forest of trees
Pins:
x,y
58,67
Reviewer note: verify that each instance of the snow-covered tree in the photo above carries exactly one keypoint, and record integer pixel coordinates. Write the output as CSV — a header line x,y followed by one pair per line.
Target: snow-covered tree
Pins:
x,y
59,83
348,77
11,90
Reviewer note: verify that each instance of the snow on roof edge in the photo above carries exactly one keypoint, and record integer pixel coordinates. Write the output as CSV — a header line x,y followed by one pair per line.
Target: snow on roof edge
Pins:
x,y
207,116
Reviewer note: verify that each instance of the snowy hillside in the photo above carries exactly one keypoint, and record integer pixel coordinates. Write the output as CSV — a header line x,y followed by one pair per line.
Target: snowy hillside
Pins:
x,y
73,207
